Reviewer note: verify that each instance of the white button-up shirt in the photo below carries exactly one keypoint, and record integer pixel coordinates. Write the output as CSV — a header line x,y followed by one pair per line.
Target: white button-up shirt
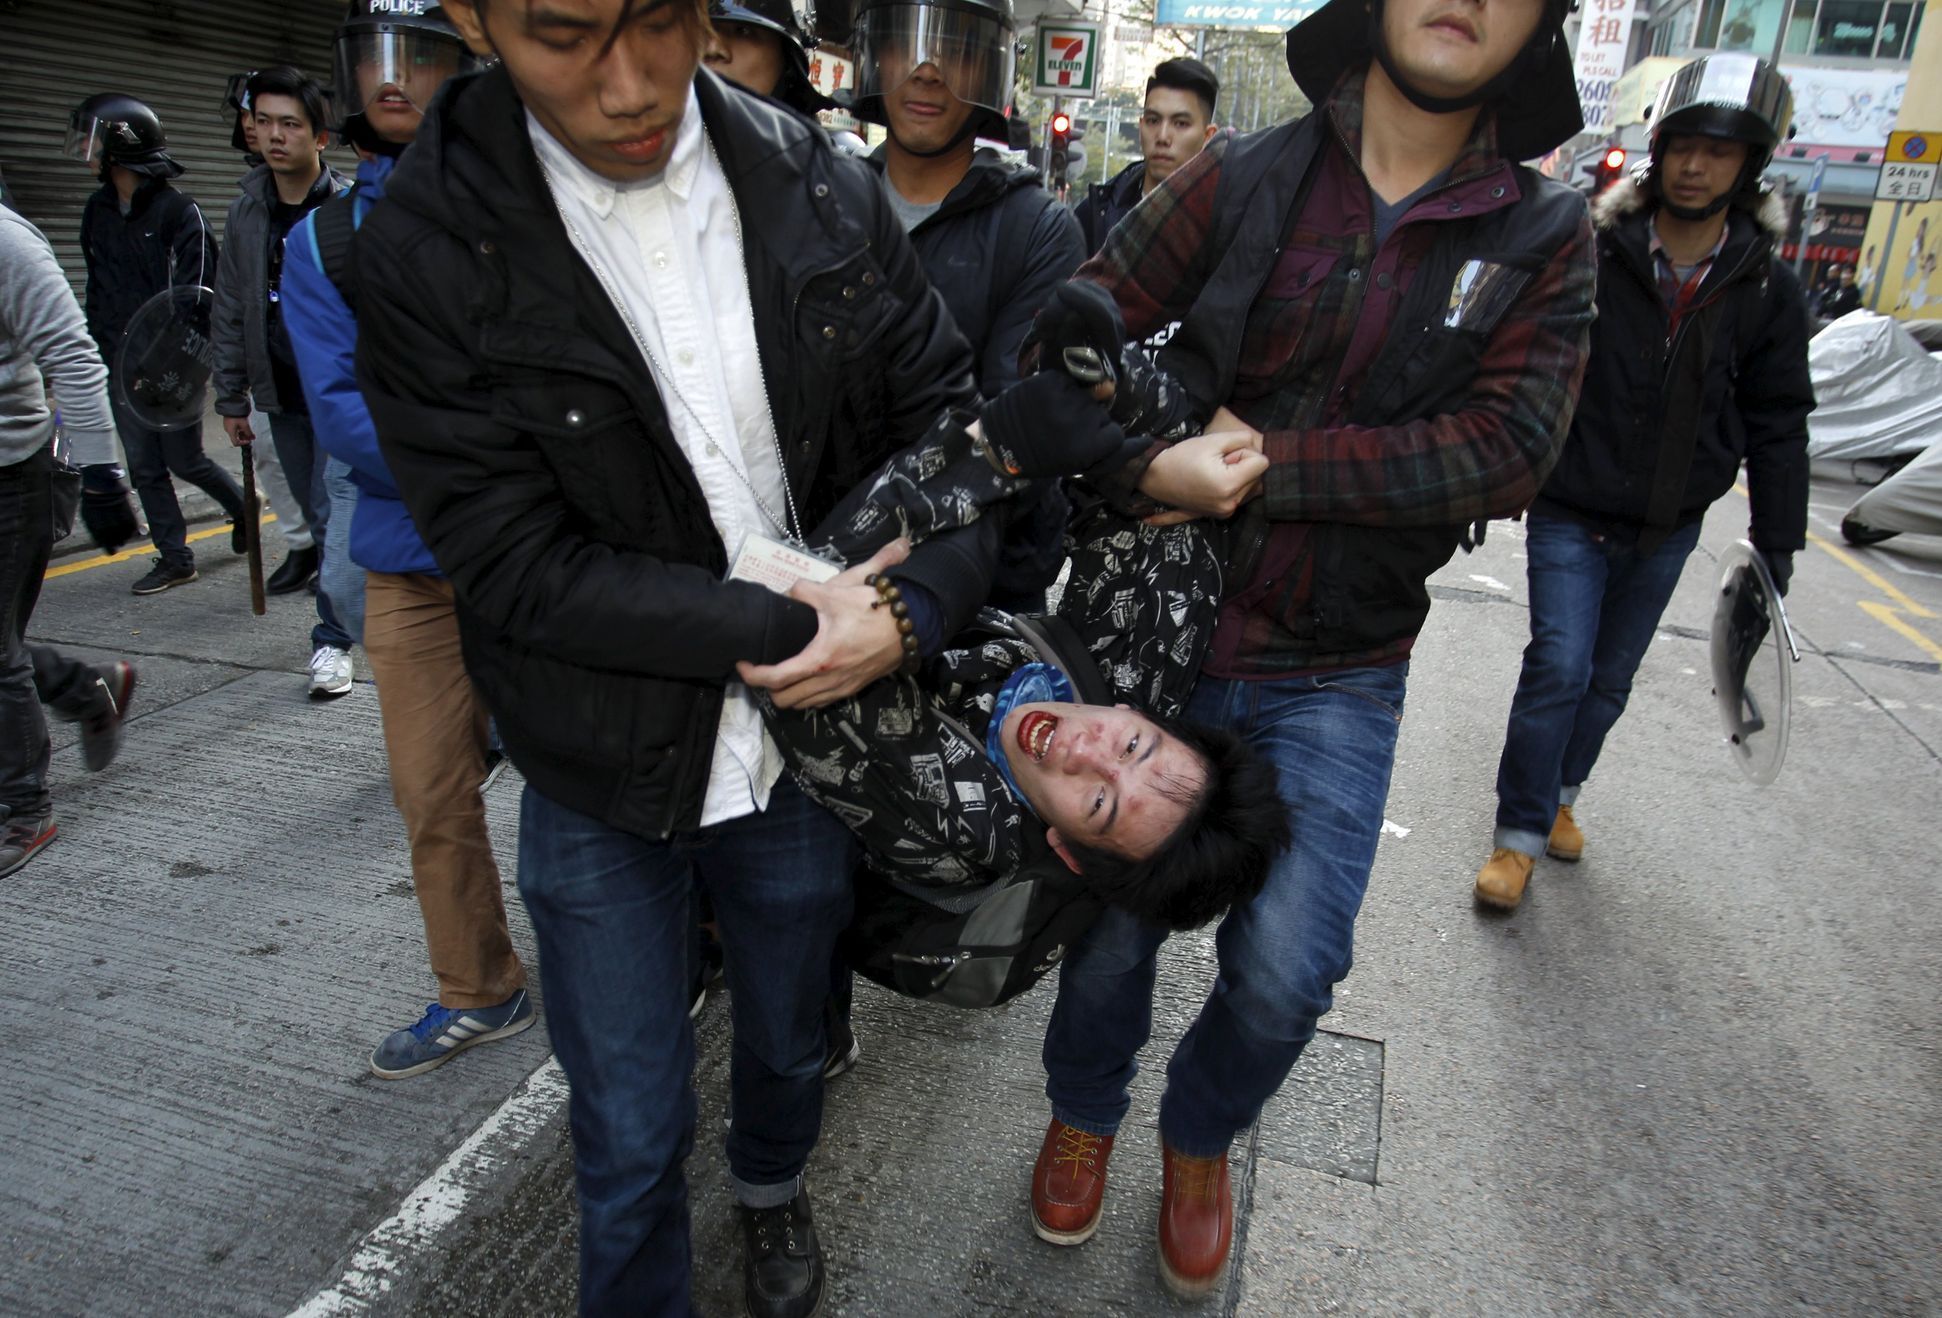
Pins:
x,y
669,252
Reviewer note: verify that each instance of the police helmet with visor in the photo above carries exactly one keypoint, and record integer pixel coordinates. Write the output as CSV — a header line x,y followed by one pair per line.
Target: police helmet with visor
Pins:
x,y
1738,98
113,129
236,102
392,47
779,17
971,43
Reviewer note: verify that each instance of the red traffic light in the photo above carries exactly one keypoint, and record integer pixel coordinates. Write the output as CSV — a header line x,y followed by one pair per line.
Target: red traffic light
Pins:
x,y
1615,159
1062,122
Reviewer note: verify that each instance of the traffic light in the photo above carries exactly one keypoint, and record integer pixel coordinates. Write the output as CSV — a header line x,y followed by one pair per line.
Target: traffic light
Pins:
x,y
1058,141
1609,169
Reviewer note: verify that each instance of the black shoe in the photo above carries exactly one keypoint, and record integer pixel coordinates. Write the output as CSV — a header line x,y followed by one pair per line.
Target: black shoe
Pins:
x,y
101,725
782,1264
298,568
239,535
843,1047
162,576
21,839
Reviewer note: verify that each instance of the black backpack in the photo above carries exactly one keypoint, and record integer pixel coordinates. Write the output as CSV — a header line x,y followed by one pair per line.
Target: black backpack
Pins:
x,y
1010,939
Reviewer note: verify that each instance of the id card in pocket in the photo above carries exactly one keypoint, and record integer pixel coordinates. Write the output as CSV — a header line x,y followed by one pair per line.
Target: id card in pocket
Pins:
x,y
1481,293
778,566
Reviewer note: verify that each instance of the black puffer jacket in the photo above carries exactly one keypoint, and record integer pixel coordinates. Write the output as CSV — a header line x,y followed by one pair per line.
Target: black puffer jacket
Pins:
x,y
1108,203
1661,428
161,242
996,249
535,455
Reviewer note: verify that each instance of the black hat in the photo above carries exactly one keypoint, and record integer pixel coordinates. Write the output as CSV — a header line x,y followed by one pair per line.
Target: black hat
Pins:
x,y
1535,99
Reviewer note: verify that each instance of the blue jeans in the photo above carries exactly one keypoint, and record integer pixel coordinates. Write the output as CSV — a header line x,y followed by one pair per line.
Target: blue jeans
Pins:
x,y
1333,738
303,465
1595,604
340,582
611,913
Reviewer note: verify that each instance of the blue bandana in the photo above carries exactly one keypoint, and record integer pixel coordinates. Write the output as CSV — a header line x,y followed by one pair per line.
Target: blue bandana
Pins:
x,y
1030,685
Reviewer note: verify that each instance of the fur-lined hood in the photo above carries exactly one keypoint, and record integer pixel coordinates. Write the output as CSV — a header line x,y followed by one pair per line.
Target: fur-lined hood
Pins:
x,y
1628,197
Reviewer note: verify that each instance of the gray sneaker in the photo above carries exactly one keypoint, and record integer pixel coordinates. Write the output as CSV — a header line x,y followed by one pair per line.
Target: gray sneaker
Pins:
x,y
331,673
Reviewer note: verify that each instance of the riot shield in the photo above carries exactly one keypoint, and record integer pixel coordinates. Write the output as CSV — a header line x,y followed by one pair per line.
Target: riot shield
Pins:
x,y
162,371
1753,664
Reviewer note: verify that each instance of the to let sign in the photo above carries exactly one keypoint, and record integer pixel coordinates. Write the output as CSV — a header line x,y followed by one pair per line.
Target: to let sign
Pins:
x,y
1068,60
1604,34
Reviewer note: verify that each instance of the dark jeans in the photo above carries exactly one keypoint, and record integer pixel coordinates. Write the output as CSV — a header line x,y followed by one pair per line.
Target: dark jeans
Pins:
x,y
30,675
303,467
1595,604
154,456
1333,738
611,912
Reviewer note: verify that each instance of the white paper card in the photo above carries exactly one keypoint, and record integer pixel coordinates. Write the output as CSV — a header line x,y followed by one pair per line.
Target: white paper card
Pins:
x,y
778,566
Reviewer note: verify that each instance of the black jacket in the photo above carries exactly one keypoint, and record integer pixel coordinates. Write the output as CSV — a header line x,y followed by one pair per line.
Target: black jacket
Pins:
x,y
996,249
1661,429
161,242
1107,203
535,455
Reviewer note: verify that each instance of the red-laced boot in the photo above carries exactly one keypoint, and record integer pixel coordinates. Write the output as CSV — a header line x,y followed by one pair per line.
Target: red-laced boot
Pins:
x,y
1069,1184
1196,1222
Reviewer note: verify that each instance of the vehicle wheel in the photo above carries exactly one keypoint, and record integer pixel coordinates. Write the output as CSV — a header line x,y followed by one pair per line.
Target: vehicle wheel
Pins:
x,y
1857,533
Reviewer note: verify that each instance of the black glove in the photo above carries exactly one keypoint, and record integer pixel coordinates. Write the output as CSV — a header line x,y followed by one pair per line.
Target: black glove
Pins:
x,y
106,508
1780,566
1149,402
1050,425
1079,331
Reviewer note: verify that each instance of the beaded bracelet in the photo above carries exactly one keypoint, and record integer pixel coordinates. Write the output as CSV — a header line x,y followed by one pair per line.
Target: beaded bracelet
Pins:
x,y
888,594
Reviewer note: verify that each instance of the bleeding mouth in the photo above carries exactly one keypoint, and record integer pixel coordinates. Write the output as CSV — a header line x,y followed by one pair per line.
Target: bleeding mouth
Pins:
x,y
1035,733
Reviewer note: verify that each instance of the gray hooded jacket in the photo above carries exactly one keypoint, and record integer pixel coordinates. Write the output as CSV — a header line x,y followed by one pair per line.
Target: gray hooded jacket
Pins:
x,y
45,345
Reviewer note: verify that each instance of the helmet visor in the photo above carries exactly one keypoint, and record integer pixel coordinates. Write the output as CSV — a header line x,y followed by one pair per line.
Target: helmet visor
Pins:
x,y
87,135
972,54
235,92
403,64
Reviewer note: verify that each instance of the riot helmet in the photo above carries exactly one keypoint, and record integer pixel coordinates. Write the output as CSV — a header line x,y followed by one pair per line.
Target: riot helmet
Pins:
x,y
778,16
1534,98
1735,97
389,49
971,43
236,102
113,129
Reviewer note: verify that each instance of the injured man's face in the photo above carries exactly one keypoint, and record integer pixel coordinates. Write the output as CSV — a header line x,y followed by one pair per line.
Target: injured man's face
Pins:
x,y
1106,776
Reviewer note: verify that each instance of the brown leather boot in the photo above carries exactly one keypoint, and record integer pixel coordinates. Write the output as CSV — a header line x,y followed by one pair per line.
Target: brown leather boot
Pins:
x,y
1567,840
1196,1222
1501,881
1069,1184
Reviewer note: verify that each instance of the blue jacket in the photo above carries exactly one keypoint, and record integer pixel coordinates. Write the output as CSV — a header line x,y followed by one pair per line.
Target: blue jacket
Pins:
x,y
323,330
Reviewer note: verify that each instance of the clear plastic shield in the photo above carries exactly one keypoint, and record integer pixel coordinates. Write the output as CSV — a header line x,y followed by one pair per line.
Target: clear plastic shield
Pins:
x,y
1753,664
162,370
406,66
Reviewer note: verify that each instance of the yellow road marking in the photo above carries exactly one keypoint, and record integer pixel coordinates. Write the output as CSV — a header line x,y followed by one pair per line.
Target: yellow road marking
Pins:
x,y
145,547
1869,575
1892,620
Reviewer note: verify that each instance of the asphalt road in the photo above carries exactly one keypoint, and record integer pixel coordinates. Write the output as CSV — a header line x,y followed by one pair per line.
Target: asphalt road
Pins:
x,y
1695,1073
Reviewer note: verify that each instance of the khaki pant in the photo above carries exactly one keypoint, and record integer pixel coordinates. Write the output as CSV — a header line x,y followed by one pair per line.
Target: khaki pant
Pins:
x,y
435,737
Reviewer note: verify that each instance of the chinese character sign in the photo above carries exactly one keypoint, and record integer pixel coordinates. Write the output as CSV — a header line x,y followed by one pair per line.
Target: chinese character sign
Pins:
x,y
1603,36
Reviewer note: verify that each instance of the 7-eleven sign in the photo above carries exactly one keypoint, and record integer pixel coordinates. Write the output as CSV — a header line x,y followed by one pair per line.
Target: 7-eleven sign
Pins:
x,y
1068,59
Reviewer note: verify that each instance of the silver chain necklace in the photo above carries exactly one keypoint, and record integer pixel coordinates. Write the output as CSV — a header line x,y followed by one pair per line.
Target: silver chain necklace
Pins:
x,y
790,527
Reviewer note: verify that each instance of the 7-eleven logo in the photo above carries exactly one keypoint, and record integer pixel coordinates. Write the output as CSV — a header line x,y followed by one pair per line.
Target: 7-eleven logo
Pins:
x,y
1068,60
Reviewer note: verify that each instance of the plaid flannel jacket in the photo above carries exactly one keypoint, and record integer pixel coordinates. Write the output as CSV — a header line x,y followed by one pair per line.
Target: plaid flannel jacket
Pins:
x,y
1318,323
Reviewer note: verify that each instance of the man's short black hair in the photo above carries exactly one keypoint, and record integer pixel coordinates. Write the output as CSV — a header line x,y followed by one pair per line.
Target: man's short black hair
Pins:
x,y
1218,856
283,80
1188,75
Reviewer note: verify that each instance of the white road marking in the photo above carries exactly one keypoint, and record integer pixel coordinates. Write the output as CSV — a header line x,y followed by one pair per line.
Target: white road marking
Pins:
x,y
1490,582
1907,569
441,1198
1393,829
